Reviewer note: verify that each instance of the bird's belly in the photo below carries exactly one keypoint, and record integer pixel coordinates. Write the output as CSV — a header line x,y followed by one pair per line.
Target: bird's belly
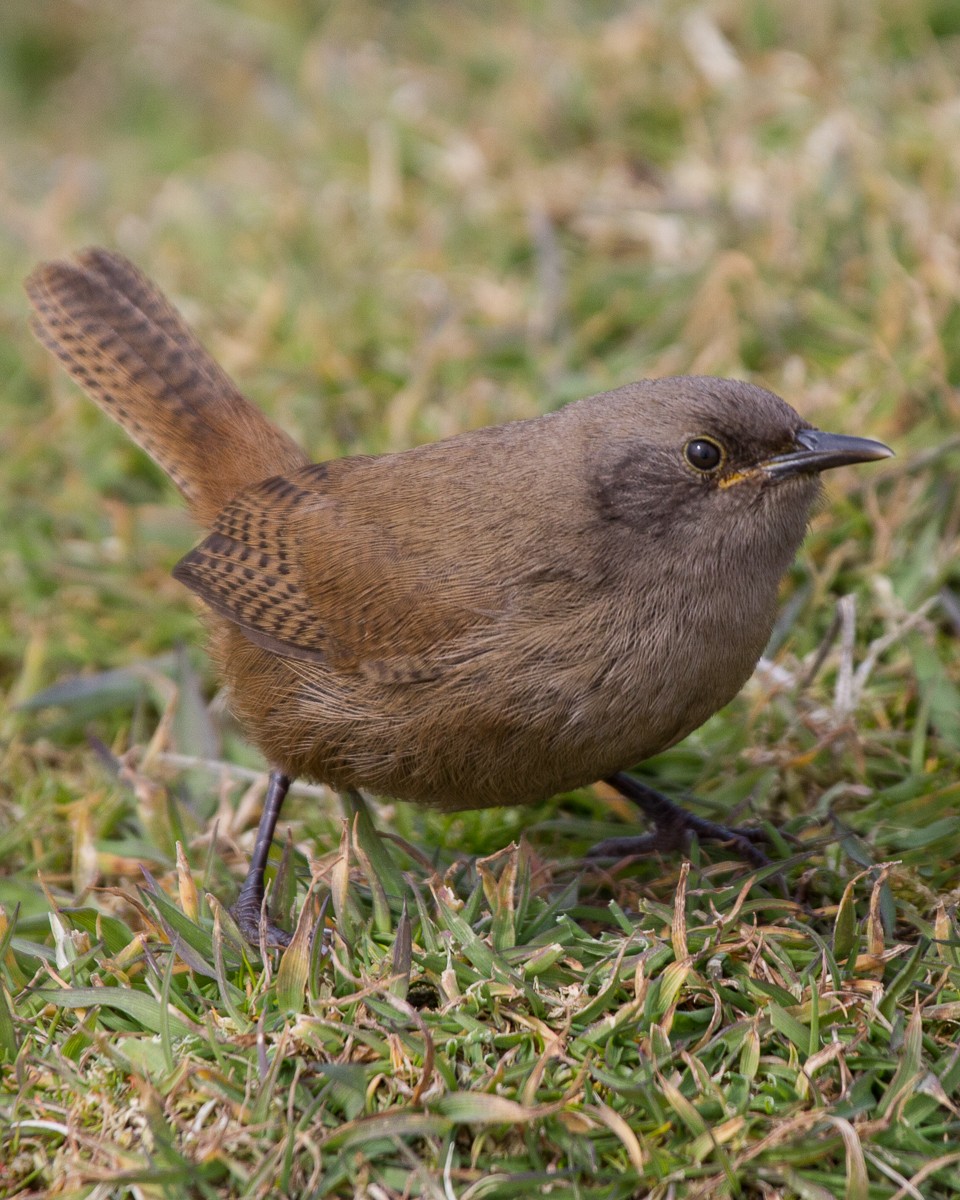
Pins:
x,y
570,711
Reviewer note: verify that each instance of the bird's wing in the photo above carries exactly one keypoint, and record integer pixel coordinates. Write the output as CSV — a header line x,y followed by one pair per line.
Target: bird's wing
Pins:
x,y
307,572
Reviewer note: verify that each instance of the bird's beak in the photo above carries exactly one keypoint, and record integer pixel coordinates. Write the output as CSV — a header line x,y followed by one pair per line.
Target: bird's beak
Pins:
x,y
818,451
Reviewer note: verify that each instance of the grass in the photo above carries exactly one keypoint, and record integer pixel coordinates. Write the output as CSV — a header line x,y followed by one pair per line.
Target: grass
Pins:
x,y
392,222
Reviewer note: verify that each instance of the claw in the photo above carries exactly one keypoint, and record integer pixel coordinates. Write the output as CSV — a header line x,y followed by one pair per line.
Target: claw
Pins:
x,y
674,826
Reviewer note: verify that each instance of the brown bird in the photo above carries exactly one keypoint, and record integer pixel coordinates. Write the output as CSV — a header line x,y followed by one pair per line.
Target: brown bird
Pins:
x,y
490,619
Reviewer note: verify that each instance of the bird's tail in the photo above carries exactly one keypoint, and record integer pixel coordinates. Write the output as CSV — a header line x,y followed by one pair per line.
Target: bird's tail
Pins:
x,y
134,355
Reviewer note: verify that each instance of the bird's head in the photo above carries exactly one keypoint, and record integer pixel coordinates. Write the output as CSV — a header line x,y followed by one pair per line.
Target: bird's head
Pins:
x,y
701,466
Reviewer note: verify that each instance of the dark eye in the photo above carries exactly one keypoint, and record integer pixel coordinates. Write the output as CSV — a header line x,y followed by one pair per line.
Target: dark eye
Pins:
x,y
703,454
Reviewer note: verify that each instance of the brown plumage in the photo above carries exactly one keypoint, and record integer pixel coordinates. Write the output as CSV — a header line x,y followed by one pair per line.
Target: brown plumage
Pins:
x,y
485,620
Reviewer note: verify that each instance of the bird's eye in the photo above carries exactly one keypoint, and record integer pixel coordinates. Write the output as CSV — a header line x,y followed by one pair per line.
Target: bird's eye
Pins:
x,y
703,454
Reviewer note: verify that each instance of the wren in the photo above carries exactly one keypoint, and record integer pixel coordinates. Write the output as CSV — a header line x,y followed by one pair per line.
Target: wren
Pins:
x,y
489,619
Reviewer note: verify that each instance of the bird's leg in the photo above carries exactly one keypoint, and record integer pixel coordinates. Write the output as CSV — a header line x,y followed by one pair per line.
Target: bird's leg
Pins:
x,y
248,906
673,827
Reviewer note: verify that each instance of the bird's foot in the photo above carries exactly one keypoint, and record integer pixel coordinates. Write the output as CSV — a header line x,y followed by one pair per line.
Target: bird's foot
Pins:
x,y
248,910
252,920
674,827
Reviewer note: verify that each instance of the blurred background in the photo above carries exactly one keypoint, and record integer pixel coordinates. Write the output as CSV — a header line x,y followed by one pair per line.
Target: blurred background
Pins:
x,y
395,221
